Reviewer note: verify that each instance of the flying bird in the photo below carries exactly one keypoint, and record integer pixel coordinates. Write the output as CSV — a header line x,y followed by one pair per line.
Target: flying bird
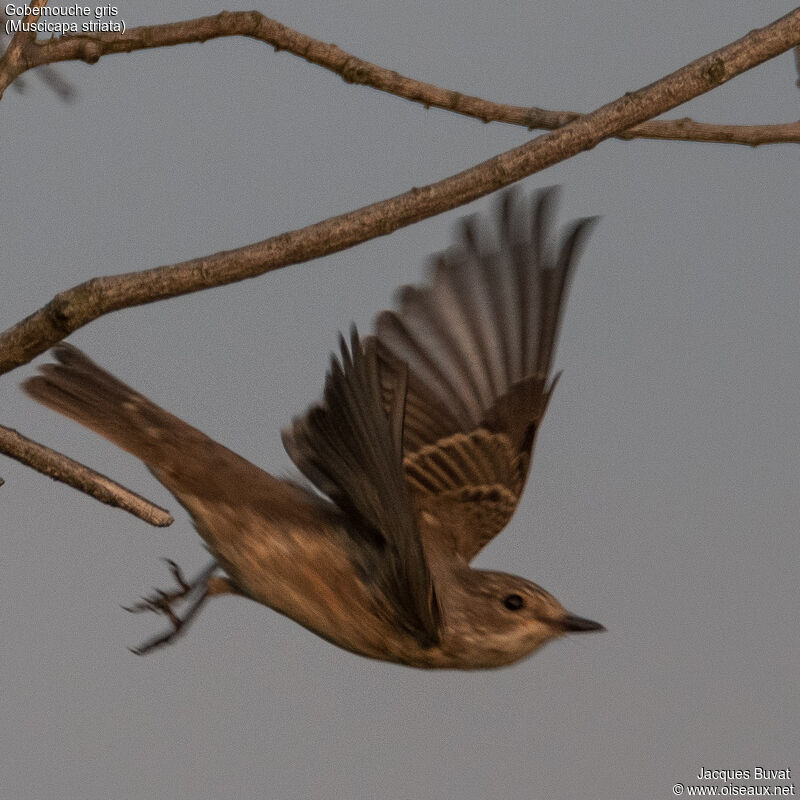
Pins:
x,y
416,457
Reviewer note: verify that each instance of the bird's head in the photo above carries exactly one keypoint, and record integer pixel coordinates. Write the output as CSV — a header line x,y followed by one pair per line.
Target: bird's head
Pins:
x,y
501,618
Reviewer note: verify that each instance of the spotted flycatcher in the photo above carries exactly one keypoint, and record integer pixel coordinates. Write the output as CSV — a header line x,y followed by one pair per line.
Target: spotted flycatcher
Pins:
x,y
419,452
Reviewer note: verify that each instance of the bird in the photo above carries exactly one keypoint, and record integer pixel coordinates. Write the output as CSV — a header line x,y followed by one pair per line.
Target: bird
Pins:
x,y
414,459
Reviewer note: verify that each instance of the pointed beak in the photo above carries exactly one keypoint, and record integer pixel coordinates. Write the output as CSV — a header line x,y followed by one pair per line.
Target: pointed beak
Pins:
x,y
572,624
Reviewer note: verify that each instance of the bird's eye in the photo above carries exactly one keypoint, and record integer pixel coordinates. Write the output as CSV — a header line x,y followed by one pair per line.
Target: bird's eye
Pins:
x,y
513,602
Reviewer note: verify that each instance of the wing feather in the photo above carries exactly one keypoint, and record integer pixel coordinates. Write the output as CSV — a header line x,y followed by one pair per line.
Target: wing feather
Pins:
x,y
350,447
478,341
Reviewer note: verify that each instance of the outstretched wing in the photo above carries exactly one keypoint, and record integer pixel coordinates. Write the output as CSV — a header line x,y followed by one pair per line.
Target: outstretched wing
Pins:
x,y
478,343
351,449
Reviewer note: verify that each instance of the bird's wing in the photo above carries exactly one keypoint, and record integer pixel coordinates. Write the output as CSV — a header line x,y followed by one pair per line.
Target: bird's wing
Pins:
x,y
478,343
350,448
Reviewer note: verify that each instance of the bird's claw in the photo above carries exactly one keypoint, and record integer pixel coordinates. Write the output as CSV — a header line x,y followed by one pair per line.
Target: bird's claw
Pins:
x,y
161,602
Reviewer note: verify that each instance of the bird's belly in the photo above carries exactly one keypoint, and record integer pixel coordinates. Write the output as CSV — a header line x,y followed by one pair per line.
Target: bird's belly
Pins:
x,y
305,574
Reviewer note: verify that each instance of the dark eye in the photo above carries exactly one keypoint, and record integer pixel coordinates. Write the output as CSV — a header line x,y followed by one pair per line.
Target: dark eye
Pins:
x,y
513,602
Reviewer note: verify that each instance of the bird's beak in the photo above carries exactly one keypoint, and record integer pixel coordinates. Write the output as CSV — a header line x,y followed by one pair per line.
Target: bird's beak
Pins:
x,y
572,624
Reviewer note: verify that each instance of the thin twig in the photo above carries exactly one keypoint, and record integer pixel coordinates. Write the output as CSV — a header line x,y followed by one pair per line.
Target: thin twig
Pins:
x,y
75,307
91,47
61,468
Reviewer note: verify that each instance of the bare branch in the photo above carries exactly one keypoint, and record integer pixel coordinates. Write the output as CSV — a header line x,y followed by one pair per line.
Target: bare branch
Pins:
x,y
61,468
686,129
75,307
92,47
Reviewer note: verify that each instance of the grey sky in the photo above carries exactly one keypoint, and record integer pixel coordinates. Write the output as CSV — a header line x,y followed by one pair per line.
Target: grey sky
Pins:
x,y
664,495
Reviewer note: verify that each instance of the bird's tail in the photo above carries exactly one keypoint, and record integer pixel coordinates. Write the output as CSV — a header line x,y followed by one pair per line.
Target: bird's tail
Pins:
x,y
76,387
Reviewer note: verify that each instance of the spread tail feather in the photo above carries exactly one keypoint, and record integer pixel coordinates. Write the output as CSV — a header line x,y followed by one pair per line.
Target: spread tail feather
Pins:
x,y
76,387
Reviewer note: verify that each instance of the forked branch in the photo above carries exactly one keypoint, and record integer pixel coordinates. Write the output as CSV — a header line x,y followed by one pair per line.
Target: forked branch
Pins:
x,y
92,47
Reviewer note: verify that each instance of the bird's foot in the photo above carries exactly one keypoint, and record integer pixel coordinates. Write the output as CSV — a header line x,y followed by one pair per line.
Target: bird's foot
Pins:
x,y
164,603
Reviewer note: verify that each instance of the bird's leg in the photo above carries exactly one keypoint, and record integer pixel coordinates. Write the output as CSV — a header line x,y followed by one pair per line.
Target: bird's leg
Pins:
x,y
204,585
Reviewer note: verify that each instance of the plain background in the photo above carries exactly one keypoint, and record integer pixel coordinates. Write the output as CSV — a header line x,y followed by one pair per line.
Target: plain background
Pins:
x,y
664,494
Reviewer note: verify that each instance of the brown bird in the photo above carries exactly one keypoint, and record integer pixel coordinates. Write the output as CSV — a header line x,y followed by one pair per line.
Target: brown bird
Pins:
x,y
420,451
